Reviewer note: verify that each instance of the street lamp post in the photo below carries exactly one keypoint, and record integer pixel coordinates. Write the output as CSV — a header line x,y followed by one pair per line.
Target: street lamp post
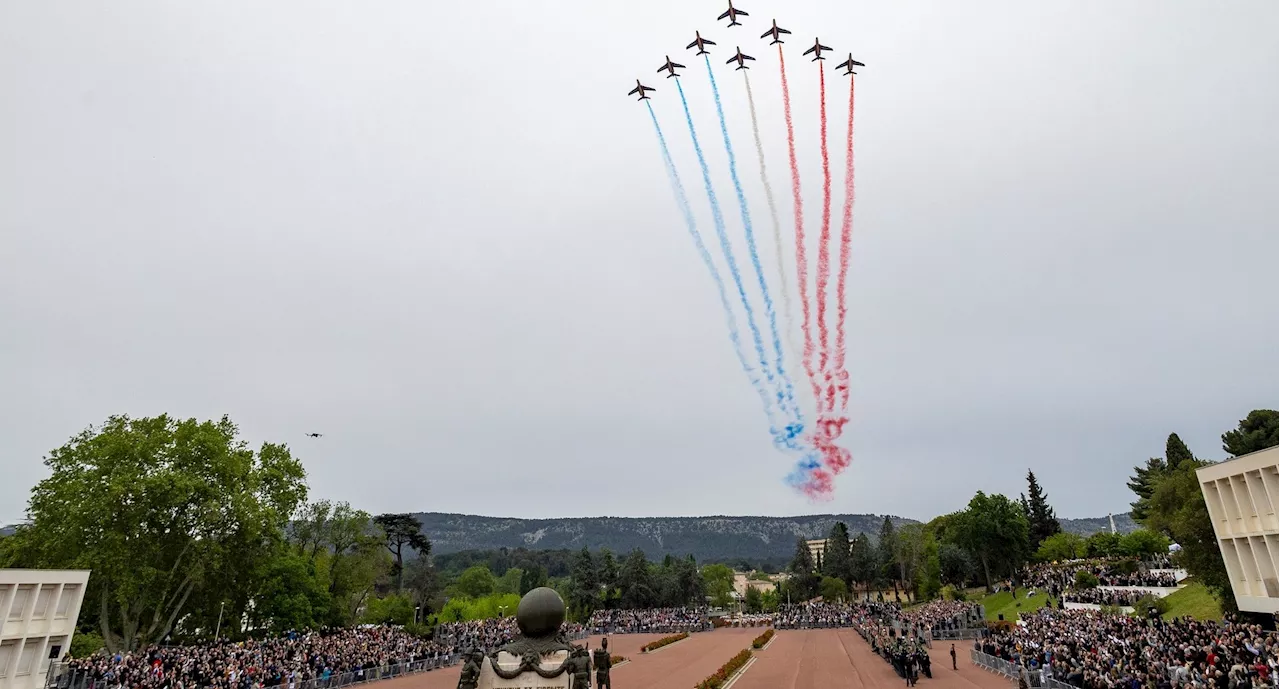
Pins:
x,y
217,632
415,613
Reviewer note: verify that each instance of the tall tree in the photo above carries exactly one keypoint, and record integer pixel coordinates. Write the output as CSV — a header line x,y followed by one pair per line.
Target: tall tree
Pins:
x,y
155,507
835,562
994,529
636,581
607,576
718,580
1144,479
863,562
804,580
1041,521
586,583
532,578
402,530
957,567
1178,509
887,546
1257,431
908,555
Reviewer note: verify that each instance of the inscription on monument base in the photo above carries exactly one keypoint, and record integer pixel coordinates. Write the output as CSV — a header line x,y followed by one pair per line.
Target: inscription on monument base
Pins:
x,y
527,680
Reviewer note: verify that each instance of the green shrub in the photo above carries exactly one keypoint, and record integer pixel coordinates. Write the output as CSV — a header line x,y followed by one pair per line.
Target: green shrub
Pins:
x,y
760,641
1086,580
664,641
85,644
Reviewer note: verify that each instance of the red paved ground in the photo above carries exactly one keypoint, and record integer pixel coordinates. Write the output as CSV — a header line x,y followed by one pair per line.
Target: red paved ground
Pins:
x,y
816,659
826,658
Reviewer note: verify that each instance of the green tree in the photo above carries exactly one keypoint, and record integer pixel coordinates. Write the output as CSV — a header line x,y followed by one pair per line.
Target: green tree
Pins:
x,y
928,577
994,528
957,565
1061,546
635,580
1145,477
886,547
1102,544
510,580
1257,431
752,600
833,589
532,578
477,581
803,582
401,531
1142,543
289,595
836,561
156,507
718,582
344,545
391,609
1041,521
908,555
863,562
607,576
585,592
1178,509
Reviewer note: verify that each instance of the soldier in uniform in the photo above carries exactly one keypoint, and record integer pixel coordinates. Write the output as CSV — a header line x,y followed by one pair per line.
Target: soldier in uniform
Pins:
x,y
580,666
600,658
470,676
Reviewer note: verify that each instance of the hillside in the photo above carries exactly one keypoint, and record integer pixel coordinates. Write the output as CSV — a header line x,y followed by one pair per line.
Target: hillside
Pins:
x,y
707,538
1092,525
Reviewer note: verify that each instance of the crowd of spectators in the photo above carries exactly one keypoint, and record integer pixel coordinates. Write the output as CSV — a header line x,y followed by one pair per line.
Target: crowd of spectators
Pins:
x,y
490,633
687,619
813,615
1093,650
1122,597
296,661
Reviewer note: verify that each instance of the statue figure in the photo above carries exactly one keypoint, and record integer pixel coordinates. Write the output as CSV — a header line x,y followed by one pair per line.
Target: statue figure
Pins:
x,y
470,676
580,668
600,658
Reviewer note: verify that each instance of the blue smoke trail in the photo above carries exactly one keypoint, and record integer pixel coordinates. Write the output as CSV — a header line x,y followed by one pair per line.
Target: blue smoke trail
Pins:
x,y
782,438
787,395
682,200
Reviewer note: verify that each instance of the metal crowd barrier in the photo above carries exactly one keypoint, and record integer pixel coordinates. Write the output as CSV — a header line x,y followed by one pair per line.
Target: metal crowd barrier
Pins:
x,y
1013,671
667,629
60,677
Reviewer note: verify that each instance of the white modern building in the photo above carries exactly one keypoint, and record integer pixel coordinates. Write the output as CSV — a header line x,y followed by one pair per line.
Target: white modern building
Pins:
x,y
38,611
1242,496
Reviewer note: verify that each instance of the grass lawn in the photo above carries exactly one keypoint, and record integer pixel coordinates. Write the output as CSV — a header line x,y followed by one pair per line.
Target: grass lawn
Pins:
x,y
1194,600
1010,606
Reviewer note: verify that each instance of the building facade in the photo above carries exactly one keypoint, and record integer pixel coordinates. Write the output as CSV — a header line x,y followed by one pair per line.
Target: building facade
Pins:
x,y
38,611
1242,495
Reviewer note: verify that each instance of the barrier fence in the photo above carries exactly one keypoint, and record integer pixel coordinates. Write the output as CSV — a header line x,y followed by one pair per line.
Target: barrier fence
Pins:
x,y
1013,671
63,677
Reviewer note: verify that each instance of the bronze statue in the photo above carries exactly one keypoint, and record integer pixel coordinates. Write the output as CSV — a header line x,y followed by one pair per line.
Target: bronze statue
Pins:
x,y
600,656
580,668
470,676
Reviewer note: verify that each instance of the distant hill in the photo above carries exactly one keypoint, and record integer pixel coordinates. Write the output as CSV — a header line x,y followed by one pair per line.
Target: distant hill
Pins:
x,y
717,538
1092,525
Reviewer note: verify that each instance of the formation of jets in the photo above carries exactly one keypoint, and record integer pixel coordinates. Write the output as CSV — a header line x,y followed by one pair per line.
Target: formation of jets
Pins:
x,y
315,435
775,33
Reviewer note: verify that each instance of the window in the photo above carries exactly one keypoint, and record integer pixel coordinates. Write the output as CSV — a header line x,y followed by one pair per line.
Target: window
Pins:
x,y
43,601
28,659
6,657
19,606
69,593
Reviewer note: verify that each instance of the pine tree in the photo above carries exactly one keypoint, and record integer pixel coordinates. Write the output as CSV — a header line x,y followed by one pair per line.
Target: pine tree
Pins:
x,y
1042,521
1176,453
835,562
1144,479
886,546
1257,431
803,579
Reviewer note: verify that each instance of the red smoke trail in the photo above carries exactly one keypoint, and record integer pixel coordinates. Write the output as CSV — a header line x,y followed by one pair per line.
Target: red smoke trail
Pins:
x,y
802,265
846,234
824,240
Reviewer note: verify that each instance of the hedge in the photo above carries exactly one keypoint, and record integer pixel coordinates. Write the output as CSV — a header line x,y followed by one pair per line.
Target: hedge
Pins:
x,y
726,671
763,639
614,660
664,641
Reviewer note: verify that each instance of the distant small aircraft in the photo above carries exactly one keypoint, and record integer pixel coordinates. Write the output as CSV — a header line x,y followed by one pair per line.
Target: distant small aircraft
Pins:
x,y
640,89
817,49
849,65
701,42
671,67
315,435
732,14
739,59
774,32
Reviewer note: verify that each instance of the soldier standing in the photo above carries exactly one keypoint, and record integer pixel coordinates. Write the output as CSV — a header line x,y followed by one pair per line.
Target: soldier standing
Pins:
x,y
580,666
953,657
602,663
470,676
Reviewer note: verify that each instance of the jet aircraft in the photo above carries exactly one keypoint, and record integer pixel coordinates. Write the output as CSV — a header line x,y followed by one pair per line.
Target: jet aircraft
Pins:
x,y
739,59
774,32
733,15
848,65
315,435
671,67
702,44
640,89
817,50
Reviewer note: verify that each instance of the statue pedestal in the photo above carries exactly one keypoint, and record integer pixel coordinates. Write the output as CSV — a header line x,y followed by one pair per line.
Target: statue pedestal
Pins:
x,y
527,680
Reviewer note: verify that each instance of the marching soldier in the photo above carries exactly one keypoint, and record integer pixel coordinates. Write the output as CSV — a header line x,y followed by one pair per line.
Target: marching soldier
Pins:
x,y
600,658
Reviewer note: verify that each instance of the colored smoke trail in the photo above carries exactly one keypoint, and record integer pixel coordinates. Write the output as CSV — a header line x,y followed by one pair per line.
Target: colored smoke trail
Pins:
x,y
682,200
786,395
783,438
824,257
787,313
808,475
846,237
802,266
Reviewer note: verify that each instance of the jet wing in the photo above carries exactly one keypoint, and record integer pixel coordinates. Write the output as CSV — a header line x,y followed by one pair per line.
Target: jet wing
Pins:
x,y
770,32
695,42
823,47
726,13
633,91
740,12
809,50
748,57
677,65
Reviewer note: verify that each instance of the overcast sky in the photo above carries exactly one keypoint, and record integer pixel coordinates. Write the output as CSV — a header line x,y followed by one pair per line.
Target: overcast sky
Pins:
x,y
441,235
